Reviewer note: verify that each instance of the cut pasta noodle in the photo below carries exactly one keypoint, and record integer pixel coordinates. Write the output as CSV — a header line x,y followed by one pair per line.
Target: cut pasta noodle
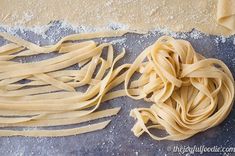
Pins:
x,y
189,93
48,97
56,133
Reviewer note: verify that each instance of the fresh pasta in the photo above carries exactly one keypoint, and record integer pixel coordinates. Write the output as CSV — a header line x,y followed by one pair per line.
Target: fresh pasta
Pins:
x,y
46,94
188,93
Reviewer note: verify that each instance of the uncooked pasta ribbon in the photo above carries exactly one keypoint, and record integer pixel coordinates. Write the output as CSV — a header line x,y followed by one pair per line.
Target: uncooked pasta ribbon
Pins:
x,y
189,93
45,93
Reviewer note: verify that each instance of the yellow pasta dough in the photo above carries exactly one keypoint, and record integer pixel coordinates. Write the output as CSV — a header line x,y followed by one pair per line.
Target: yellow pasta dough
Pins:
x,y
214,17
226,14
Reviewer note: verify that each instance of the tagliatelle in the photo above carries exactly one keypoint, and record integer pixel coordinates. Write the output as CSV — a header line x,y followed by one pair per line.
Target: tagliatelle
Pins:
x,y
48,95
66,119
56,133
190,94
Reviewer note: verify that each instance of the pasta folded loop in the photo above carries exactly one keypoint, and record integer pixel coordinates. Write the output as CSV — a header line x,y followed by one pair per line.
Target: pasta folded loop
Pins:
x,y
189,93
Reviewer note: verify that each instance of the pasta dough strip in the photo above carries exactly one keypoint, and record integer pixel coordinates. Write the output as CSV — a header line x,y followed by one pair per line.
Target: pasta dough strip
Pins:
x,y
56,133
70,119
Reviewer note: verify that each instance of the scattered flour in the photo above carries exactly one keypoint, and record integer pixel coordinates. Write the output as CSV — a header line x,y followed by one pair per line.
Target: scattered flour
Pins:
x,y
194,34
223,39
119,41
52,31
60,26
39,30
63,26
28,16
115,26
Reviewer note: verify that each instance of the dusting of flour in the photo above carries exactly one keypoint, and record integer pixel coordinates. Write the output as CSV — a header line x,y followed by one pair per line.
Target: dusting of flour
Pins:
x,y
44,30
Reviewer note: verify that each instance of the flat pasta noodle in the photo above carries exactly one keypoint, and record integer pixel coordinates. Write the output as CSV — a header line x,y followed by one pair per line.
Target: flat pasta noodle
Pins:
x,y
65,119
56,133
49,97
189,93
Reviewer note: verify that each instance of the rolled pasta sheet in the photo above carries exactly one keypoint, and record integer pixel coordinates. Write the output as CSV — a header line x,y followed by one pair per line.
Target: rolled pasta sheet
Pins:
x,y
226,14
